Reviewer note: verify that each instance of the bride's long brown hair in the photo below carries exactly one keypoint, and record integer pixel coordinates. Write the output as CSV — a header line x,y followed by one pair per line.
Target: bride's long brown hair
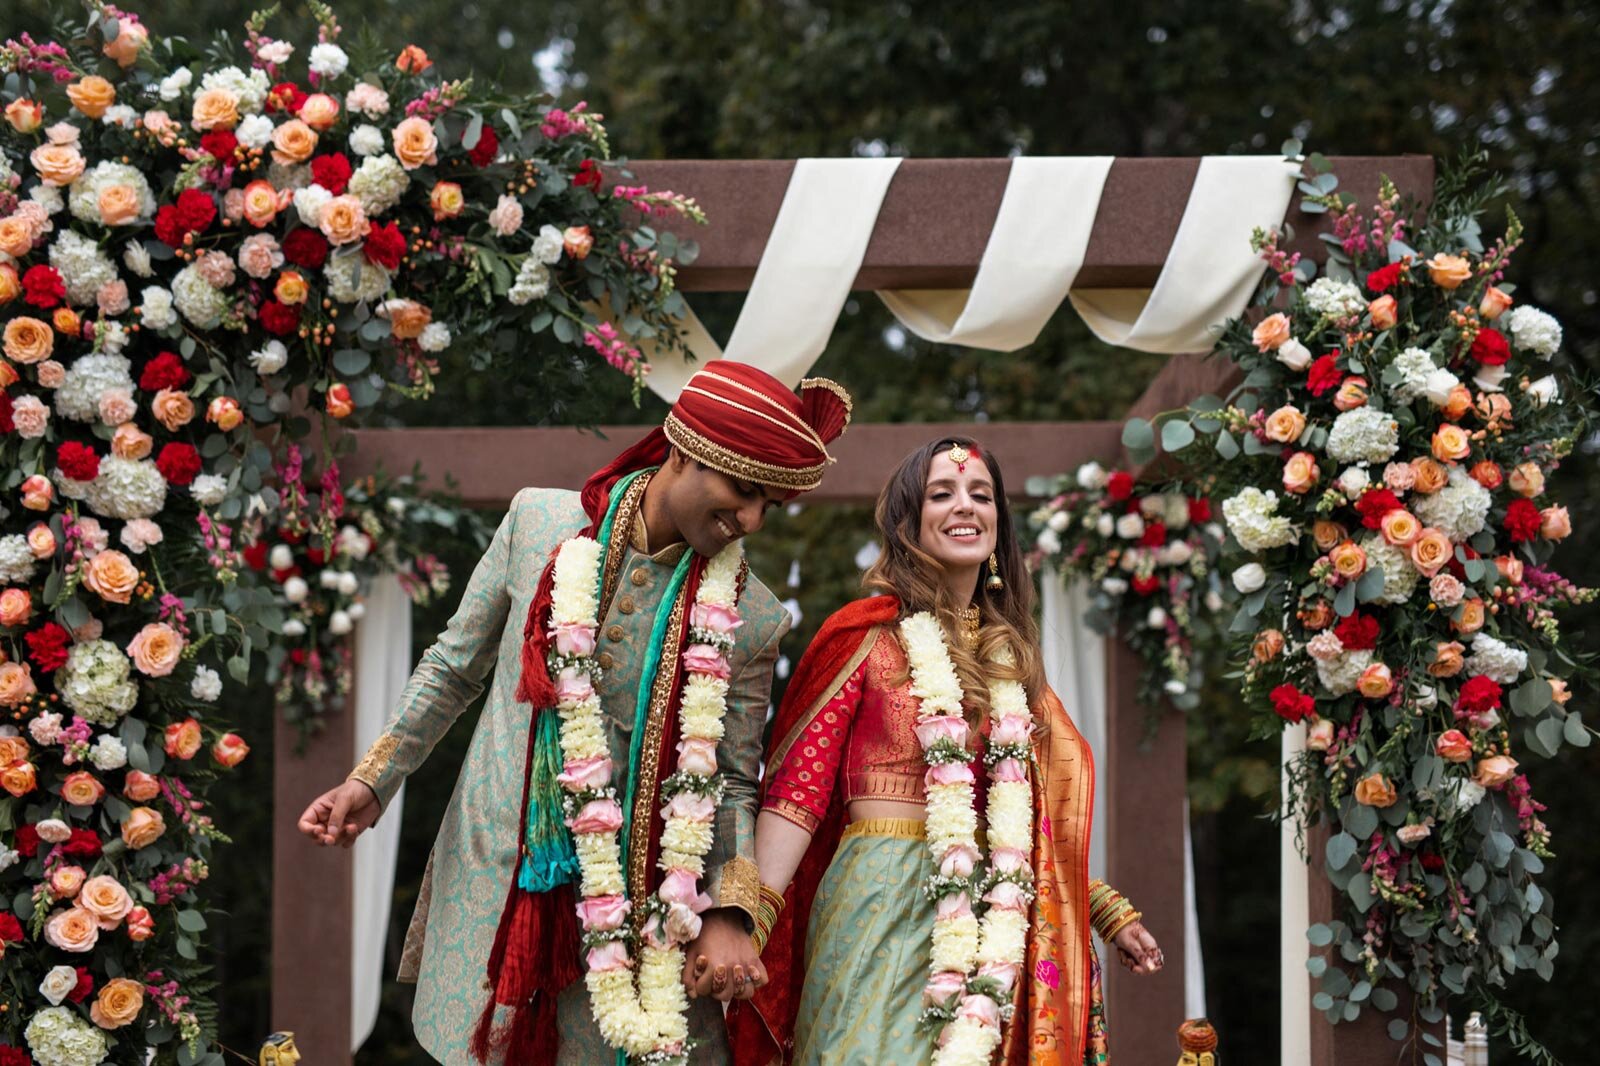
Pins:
x,y
907,570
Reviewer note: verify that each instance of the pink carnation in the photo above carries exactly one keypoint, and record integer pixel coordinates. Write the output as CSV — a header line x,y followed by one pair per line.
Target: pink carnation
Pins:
x,y
597,816
704,659
260,255
1400,477
1325,646
117,407
112,297
506,219
216,268
140,533
51,374
31,417
1446,590
367,99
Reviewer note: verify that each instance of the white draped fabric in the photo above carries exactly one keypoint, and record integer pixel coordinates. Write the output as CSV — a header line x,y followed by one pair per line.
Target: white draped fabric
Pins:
x,y
1075,666
383,665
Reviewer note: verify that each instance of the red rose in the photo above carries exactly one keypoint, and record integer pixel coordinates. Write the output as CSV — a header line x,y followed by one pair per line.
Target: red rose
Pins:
x,y
169,226
277,318
165,371
1359,632
588,176
1146,584
255,556
1490,347
83,844
305,247
78,461
1292,705
1385,278
14,1056
385,246
47,647
1432,862
488,146
85,986
1119,486
27,841
178,463
316,556
220,144
1323,375
1478,695
286,96
1374,504
1200,510
42,286
332,172
1522,520
7,423
1155,535
10,928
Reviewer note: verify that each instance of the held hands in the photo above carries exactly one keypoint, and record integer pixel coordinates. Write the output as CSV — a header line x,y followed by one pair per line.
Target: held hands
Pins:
x,y
341,814
1138,949
722,961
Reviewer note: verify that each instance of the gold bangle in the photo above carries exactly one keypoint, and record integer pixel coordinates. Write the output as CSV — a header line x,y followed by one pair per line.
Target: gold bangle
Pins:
x,y
769,904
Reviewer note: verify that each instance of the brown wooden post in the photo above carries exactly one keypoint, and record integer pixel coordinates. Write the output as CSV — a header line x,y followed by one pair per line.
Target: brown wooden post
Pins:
x,y
1145,780
313,893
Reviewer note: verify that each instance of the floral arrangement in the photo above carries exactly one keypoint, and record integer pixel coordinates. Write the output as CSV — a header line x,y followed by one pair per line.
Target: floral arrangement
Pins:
x,y
1383,470
200,261
1148,559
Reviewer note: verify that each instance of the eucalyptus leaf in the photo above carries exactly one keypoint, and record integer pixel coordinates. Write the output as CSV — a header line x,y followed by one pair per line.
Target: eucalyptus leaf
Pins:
x,y
1176,436
1341,849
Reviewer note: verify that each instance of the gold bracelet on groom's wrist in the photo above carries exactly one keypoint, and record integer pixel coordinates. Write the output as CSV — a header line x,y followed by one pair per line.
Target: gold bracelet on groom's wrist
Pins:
x,y
769,905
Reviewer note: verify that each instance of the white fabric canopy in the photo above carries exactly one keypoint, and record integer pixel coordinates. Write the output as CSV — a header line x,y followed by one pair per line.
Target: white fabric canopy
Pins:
x,y
1294,915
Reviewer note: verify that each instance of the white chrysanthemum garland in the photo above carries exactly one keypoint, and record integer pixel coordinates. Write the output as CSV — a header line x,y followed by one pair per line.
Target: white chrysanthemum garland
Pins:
x,y
975,963
647,1020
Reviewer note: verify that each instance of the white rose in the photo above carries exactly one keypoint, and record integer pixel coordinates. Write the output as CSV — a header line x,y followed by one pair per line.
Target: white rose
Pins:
x,y
61,980
1130,527
1177,553
1488,378
1353,481
547,245
340,623
1427,697
349,584
294,628
328,579
270,358
1174,687
1438,385
1544,391
356,611
1059,521
295,590
173,84
1115,586
1105,525
1091,476
1249,577
1156,619
8,858
1294,355
279,403
281,557
1213,600
1048,542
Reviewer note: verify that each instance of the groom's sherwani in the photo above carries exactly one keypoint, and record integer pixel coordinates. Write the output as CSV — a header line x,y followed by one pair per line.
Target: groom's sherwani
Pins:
x,y
472,863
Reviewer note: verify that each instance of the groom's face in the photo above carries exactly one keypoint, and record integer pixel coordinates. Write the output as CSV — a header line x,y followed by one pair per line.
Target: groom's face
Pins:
x,y
711,509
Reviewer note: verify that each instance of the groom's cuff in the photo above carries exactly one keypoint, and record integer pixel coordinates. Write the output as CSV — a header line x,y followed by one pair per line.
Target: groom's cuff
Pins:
x,y
737,883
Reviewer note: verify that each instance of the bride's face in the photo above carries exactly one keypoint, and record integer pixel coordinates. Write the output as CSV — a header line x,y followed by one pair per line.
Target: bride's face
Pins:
x,y
959,513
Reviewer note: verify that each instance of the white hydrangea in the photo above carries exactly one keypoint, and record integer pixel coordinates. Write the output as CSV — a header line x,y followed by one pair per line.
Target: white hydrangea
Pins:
x,y
378,183
254,131
1399,576
81,266
533,282
251,88
137,259
207,684
1458,510
353,543
1253,519
1340,673
127,488
269,358
208,490
1495,659
435,337
173,84
16,561
50,198
328,60
84,194
309,202
1336,299
1535,331
58,1037
1363,435
156,308
94,682
548,245
108,753
367,140
86,380
197,300
351,279
1414,365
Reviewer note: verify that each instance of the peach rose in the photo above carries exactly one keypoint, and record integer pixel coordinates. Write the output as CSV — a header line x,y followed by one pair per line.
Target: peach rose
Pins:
x,y
117,1004
1300,473
16,607
183,739
9,377
1431,477
42,541
1384,311
141,926
28,340
446,200
414,143
156,649
230,750
1348,559
1285,424
119,205
1457,404
130,442
1495,771
19,778
172,409
216,109
1451,443
1319,737
1400,528
82,790
260,203
1510,568
339,404
1318,616
73,929
1448,659
1376,682
57,164
66,881
291,288
1494,408
1375,790
16,237
576,241
66,322
111,576
1554,523
1431,551
12,749
16,683
106,899
412,60
1449,271
1267,646
1453,746
1487,473
224,413
320,112
1558,690
343,220
37,492
1326,533
142,827
92,95
1471,619
10,284
1271,332
162,126
131,37
140,786
407,318
1494,304
25,116
1526,480
293,142
1352,394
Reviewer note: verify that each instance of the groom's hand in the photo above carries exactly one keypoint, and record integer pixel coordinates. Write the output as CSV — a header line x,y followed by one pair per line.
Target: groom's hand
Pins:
x,y
722,961
341,814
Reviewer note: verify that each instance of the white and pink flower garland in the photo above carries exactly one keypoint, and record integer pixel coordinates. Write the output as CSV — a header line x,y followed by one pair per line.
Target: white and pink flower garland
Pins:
x,y
975,962
647,1019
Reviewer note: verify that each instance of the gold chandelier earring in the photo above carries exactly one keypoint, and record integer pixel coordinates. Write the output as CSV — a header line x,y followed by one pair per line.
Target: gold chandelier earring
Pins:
x,y
995,582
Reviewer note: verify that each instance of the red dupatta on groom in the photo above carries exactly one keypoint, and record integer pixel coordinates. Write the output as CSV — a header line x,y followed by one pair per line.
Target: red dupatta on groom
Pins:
x,y
1053,994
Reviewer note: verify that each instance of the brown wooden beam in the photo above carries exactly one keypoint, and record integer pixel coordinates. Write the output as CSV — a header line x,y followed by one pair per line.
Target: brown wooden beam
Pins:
x,y
938,213
1181,380
490,465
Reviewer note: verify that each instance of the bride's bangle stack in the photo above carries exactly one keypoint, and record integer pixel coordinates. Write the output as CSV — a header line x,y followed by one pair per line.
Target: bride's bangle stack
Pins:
x,y
1109,910
768,906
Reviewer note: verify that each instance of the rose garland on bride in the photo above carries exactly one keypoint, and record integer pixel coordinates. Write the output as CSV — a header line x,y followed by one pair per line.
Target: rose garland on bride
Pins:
x,y
644,1019
975,962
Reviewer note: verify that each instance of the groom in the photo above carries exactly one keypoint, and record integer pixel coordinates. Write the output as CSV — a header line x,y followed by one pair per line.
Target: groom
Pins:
x,y
497,964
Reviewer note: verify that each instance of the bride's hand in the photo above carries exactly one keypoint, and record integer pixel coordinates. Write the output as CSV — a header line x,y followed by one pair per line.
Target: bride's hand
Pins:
x,y
1137,949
